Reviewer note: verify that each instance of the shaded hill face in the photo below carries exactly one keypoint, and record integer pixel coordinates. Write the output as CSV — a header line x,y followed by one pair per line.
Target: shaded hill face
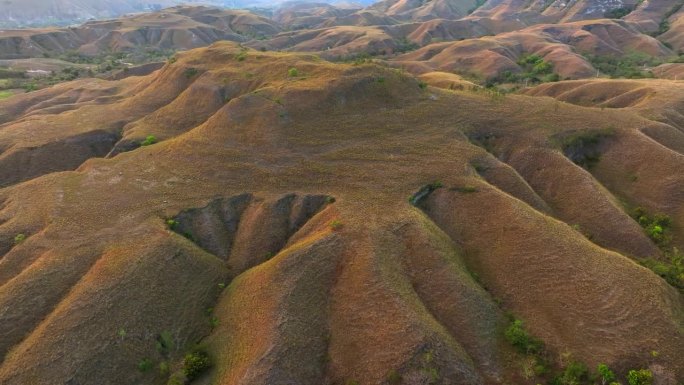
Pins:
x,y
270,223
174,28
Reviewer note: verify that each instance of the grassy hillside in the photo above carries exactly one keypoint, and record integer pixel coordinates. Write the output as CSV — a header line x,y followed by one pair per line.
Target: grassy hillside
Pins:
x,y
274,218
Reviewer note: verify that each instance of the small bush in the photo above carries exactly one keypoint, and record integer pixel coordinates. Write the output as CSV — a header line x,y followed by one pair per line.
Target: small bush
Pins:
x,y
656,226
172,223
393,377
145,365
640,377
163,368
574,374
165,343
336,225
292,72
195,364
191,72
517,336
149,140
466,189
19,238
607,376
582,147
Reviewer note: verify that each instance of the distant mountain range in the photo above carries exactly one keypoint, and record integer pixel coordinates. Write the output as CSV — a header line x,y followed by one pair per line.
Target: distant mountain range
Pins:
x,y
37,13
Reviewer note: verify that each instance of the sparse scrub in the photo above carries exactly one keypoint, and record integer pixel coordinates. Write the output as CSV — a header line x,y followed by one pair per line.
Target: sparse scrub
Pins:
x,y
292,72
633,65
191,73
149,140
640,377
517,336
582,147
465,189
393,377
405,45
19,238
336,225
195,363
165,343
575,373
605,374
423,193
534,69
656,226
671,270
145,365
618,13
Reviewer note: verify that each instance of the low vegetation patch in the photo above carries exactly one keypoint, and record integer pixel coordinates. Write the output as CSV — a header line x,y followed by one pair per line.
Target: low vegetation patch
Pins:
x,y
191,73
19,238
195,363
534,69
656,226
149,140
582,147
424,192
634,65
538,364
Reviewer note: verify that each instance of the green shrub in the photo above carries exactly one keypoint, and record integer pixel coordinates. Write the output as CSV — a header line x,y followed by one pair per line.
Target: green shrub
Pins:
x,y
149,140
292,72
19,238
195,364
640,377
630,66
165,343
574,374
393,377
404,45
671,270
517,336
466,189
582,147
163,368
191,72
145,365
617,13
607,375
336,225
656,226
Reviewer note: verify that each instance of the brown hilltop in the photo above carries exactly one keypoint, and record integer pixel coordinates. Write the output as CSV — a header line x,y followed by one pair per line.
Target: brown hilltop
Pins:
x,y
361,287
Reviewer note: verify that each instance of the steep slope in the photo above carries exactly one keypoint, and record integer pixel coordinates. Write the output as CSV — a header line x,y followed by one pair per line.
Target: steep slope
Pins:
x,y
290,191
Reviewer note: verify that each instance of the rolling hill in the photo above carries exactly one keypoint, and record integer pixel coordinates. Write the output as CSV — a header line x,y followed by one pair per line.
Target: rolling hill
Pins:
x,y
408,192
271,226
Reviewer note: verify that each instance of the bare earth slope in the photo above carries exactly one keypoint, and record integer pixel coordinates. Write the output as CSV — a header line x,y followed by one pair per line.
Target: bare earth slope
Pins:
x,y
292,254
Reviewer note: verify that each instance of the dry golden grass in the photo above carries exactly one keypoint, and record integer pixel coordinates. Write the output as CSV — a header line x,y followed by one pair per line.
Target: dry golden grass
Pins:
x,y
368,286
